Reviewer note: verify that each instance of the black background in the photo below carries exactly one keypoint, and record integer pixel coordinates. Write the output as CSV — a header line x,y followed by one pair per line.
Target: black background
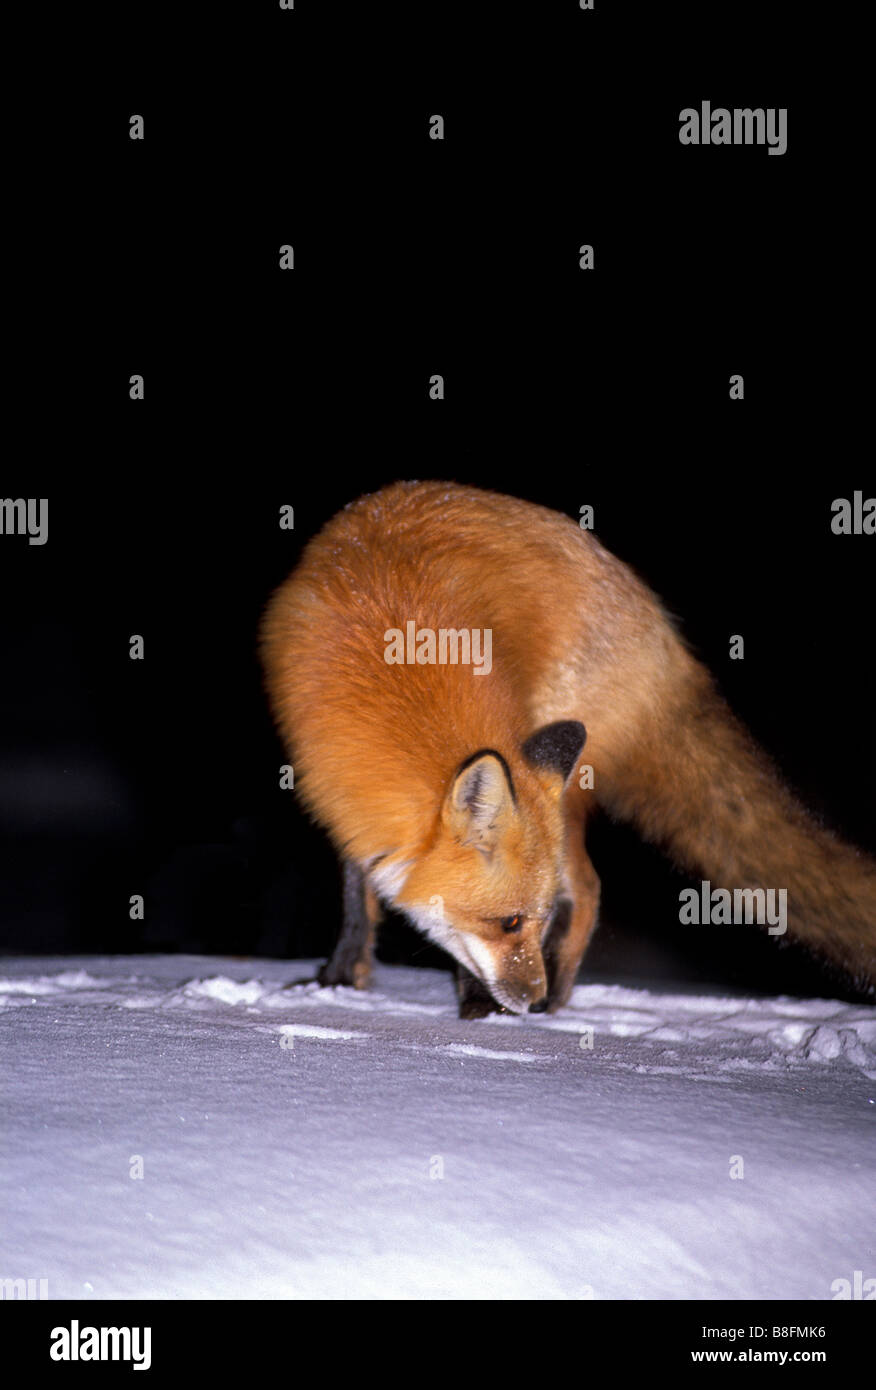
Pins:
x,y
309,387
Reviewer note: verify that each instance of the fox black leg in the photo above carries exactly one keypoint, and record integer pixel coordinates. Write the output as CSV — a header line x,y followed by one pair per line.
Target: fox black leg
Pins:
x,y
350,962
475,1000
558,930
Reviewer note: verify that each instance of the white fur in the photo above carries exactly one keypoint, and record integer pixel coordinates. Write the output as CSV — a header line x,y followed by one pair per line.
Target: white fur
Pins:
x,y
482,957
465,947
439,930
388,879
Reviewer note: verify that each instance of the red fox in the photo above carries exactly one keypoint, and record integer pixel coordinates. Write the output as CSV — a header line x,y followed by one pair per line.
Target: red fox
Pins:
x,y
434,665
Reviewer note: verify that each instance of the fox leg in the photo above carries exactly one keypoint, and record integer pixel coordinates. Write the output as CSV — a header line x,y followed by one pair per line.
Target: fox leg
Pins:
x,y
475,1000
351,960
572,923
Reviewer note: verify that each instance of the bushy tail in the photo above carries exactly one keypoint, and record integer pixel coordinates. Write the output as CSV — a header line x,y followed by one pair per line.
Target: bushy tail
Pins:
x,y
699,786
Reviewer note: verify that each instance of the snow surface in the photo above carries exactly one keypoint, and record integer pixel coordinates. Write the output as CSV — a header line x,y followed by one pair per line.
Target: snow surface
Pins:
x,y
319,1143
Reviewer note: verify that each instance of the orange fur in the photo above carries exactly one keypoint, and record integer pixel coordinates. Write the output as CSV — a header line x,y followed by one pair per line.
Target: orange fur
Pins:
x,y
576,636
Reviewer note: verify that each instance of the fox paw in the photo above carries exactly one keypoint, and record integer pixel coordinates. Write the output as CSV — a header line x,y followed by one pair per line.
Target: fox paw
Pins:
x,y
355,974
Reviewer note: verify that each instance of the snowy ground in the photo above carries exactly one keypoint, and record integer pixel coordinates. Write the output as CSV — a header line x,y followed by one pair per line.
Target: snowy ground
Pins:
x,y
328,1144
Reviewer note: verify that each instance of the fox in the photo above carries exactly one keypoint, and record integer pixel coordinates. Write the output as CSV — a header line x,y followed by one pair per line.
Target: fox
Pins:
x,y
456,791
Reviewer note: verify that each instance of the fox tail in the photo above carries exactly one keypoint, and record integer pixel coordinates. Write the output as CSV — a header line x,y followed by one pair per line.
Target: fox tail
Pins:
x,y
696,784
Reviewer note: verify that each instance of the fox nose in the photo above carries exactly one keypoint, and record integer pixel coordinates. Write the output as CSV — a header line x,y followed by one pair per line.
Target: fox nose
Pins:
x,y
529,997
538,1003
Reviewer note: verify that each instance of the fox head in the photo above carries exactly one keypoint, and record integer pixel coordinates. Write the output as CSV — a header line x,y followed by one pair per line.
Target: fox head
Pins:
x,y
485,888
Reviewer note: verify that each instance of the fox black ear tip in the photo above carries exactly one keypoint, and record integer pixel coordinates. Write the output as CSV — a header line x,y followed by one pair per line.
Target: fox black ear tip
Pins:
x,y
572,729
556,745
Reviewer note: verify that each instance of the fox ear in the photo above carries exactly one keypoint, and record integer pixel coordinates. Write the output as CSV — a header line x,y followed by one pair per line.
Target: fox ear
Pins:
x,y
555,746
480,800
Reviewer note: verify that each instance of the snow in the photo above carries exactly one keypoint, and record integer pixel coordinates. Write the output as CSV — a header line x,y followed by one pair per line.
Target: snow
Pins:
x,y
316,1143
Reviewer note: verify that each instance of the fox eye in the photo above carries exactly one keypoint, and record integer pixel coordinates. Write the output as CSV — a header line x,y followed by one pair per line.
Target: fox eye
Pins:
x,y
511,924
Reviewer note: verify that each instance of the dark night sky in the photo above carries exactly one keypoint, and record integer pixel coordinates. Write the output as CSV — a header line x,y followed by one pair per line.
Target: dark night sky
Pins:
x,y
310,387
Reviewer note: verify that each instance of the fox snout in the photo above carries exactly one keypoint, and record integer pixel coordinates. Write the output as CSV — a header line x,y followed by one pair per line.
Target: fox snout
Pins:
x,y
521,992
518,1001
513,972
